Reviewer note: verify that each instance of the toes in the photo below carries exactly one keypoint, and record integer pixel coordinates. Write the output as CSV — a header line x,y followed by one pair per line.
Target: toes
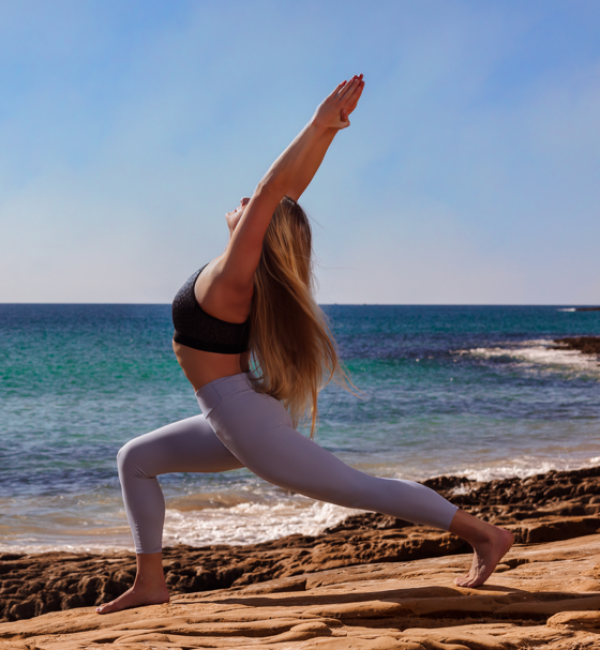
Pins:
x,y
468,579
105,608
467,582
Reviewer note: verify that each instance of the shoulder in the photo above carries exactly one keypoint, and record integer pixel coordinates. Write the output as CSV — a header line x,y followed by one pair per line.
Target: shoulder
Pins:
x,y
219,296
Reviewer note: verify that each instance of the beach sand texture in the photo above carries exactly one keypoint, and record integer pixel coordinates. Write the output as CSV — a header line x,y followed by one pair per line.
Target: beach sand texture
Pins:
x,y
370,582
542,596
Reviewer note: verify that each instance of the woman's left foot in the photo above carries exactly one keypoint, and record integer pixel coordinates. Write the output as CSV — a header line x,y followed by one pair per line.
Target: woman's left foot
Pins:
x,y
135,598
487,554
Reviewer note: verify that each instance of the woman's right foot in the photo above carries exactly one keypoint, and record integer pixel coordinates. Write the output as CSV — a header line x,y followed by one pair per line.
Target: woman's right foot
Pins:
x,y
487,554
136,597
490,544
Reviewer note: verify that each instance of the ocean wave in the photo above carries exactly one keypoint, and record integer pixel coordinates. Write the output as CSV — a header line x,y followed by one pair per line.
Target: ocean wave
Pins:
x,y
34,549
539,353
523,468
241,524
252,523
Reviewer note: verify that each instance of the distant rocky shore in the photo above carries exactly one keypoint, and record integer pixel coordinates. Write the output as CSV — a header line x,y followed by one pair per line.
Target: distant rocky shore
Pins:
x,y
543,508
585,344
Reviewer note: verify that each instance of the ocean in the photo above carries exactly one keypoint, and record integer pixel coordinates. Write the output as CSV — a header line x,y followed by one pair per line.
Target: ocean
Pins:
x,y
473,391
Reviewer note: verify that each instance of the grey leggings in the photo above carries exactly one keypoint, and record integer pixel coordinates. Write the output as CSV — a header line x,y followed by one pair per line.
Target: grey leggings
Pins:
x,y
242,428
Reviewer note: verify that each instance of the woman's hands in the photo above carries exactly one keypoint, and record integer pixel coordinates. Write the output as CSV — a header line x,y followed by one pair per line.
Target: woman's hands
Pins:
x,y
334,111
290,174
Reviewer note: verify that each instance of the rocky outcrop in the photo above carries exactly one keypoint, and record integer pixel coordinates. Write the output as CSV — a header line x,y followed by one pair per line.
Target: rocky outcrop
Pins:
x,y
542,596
544,508
585,344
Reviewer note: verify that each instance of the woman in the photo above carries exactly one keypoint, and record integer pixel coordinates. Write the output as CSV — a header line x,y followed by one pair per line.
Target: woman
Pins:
x,y
255,299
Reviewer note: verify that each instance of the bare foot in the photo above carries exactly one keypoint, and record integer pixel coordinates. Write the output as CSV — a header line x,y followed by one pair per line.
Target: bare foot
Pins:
x,y
135,597
488,552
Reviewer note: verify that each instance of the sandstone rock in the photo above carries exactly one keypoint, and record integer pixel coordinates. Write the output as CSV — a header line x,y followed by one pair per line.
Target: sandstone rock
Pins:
x,y
540,599
549,507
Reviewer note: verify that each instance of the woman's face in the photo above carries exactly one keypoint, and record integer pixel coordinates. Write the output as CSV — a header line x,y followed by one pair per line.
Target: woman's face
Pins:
x,y
233,217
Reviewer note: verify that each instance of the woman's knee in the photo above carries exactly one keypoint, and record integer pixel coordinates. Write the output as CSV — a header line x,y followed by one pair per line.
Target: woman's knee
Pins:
x,y
129,458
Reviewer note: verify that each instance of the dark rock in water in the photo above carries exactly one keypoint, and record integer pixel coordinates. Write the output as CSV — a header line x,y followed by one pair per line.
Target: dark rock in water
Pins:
x,y
585,344
587,308
542,508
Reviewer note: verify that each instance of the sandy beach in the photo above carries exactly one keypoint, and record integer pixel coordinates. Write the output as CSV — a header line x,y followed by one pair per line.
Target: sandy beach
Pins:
x,y
370,582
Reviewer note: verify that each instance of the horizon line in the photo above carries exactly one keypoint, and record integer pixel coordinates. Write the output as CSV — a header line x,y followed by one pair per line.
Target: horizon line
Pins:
x,y
330,304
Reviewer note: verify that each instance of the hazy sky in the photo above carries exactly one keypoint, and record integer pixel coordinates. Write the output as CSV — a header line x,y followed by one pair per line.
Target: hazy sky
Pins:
x,y
470,174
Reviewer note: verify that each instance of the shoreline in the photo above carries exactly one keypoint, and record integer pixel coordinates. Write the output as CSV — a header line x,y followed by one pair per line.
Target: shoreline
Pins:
x,y
461,480
558,505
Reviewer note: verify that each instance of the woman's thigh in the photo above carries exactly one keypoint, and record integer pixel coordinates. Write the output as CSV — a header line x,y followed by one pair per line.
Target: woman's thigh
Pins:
x,y
189,445
257,430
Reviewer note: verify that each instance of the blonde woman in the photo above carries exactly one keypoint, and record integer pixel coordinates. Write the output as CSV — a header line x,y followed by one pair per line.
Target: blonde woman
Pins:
x,y
255,299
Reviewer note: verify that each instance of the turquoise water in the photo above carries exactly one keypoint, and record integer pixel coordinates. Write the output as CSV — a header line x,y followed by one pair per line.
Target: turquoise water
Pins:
x,y
470,390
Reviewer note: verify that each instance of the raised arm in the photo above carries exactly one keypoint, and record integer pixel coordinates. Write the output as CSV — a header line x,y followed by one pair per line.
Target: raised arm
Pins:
x,y
316,154
290,174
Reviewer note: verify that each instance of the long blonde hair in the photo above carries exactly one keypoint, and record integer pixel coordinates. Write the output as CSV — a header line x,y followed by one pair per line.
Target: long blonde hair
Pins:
x,y
292,346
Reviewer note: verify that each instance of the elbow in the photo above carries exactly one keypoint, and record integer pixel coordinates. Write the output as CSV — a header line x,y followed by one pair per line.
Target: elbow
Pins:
x,y
261,188
271,189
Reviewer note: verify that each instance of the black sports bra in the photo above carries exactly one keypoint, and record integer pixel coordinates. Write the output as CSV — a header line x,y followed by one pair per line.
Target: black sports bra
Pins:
x,y
201,331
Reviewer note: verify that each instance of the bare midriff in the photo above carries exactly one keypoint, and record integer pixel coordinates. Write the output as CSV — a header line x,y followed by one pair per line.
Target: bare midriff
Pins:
x,y
201,367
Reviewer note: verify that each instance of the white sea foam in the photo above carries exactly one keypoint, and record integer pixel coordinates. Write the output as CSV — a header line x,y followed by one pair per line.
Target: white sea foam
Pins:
x,y
251,523
523,468
540,353
32,549
568,309
244,523
460,490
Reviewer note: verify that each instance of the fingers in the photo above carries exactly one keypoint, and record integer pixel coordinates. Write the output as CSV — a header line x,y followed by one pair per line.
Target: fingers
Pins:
x,y
336,108
353,90
337,89
347,89
353,99
350,87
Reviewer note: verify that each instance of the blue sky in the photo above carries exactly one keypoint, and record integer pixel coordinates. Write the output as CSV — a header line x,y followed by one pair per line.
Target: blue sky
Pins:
x,y
470,173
